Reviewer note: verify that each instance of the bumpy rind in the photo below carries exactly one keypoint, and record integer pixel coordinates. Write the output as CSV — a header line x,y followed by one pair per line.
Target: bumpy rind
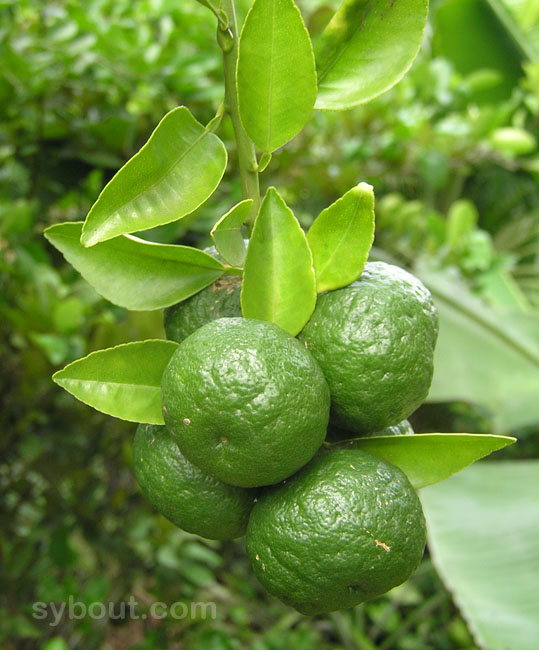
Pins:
x,y
374,341
184,494
245,401
403,428
220,300
346,528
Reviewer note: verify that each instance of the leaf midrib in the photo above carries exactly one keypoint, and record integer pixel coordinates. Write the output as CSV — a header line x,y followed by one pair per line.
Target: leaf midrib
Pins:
x,y
344,47
146,254
165,173
274,275
339,244
108,383
270,80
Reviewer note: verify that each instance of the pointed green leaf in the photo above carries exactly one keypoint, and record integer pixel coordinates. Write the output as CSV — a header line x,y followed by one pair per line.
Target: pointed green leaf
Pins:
x,y
264,161
227,235
484,539
133,273
276,73
124,381
366,49
278,278
428,458
215,8
341,238
178,169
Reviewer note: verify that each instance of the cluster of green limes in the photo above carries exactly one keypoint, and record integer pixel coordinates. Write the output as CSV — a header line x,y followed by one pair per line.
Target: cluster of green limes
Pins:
x,y
247,409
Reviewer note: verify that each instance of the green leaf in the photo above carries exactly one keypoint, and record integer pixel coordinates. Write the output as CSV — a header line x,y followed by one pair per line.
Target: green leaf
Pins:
x,y
178,169
133,273
264,161
366,49
278,278
55,348
461,222
214,7
57,643
481,34
341,238
484,541
227,235
124,381
276,73
513,141
484,355
428,458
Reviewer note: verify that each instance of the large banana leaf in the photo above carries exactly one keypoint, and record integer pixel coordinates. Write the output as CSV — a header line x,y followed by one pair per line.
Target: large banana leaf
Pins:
x,y
484,356
482,34
484,539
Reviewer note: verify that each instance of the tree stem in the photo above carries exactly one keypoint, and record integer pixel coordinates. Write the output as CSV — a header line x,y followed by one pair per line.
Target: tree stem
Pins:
x,y
247,163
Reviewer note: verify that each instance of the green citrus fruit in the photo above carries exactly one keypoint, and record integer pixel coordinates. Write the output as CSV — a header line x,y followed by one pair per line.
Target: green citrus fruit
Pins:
x,y
346,528
220,299
403,428
183,493
245,401
374,341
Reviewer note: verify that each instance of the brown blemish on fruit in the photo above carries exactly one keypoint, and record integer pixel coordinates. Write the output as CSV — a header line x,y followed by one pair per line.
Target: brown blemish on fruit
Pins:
x,y
382,545
226,284
356,586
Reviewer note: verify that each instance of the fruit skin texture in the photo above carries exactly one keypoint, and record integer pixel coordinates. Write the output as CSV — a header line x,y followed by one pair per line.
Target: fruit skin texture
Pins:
x,y
374,341
184,494
245,401
220,299
403,428
346,528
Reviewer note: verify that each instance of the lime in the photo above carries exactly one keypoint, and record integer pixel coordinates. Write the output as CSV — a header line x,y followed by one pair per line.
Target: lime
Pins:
x,y
346,528
245,401
374,341
403,428
220,299
183,493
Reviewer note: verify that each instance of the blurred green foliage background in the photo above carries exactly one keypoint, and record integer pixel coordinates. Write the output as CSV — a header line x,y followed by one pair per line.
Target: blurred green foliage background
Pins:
x,y
453,155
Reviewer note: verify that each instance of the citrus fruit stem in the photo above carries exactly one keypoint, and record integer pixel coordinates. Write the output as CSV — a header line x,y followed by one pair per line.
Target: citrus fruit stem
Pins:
x,y
247,162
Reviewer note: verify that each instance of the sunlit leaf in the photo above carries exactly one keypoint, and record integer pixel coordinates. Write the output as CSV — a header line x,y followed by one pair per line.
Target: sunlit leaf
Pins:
x,y
366,49
133,273
276,73
340,238
428,458
175,171
124,381
278,279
